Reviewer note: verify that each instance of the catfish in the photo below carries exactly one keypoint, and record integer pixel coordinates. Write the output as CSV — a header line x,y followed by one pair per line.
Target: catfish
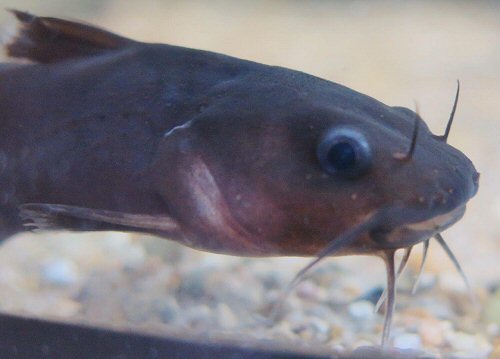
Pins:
x,y
101,132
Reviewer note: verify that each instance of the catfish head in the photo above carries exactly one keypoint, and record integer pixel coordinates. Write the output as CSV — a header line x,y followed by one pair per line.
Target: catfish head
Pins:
x,y
282,163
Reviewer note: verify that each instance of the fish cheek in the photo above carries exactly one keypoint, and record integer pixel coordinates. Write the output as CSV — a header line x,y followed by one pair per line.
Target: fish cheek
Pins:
x,y
184,179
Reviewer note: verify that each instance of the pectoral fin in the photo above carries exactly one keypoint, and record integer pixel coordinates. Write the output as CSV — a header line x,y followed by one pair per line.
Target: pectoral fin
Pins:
x,y
41,216
48,40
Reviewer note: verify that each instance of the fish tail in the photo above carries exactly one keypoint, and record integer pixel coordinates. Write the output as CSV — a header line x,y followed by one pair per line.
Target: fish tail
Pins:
x,y
48,40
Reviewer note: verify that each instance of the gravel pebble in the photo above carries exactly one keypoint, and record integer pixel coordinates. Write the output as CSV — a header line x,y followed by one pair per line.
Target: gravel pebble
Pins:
x,y
310,291
407,341
226,317
60,272
361,310
432,332
469,345
491,312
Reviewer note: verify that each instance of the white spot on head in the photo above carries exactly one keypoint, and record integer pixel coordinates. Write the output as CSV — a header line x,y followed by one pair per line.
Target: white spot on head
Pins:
x,y
177,128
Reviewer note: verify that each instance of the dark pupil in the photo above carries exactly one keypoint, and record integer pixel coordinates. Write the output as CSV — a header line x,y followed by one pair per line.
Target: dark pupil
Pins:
x,y
342,156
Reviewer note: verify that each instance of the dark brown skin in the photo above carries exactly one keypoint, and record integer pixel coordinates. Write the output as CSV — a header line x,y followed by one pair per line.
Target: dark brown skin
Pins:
x,y
218,153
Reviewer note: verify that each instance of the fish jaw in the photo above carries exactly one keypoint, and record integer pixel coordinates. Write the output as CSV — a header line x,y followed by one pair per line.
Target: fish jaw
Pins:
x,y
412,233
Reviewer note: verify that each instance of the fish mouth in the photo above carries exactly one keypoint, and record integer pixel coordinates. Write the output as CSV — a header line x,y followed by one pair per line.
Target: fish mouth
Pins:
x,y
438,223
411,233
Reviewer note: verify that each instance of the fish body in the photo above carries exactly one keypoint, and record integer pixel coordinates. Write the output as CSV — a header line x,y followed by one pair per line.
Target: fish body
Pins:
x,y
224,150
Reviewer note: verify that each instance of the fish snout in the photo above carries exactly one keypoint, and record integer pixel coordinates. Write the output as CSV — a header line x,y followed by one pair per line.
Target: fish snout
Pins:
x,y
455,187
467,180
475,182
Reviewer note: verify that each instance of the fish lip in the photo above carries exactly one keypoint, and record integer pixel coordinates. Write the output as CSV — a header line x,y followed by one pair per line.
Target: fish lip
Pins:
x,y
397,217
438,222
404,228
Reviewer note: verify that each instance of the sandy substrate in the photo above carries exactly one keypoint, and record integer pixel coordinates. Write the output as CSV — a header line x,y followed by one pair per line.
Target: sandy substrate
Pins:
x,y
397,53
145,283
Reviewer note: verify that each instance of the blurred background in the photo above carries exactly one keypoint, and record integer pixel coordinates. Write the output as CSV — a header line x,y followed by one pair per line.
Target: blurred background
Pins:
x,y
398,52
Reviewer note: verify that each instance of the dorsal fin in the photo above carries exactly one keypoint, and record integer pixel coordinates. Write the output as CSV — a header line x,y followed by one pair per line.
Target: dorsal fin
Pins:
x,y
47,39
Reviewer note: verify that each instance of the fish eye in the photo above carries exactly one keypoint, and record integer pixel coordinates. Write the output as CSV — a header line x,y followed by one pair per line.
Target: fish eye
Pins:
x,y
345,152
